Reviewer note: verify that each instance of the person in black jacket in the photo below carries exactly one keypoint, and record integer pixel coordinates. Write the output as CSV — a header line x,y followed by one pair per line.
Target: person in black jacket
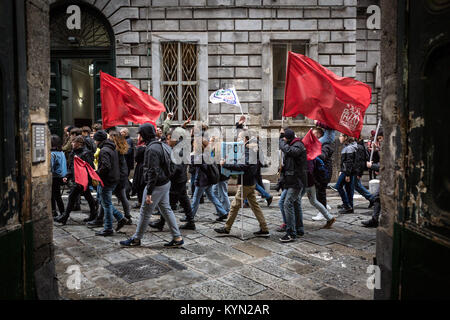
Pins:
x,y
109,172
203,184
346,181
78,150
119,191
157,172
361,158
129,157
294,179
178,188
89,143
247,182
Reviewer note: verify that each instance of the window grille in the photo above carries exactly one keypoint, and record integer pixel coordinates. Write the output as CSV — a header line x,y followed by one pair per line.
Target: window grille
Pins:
x,y
179,79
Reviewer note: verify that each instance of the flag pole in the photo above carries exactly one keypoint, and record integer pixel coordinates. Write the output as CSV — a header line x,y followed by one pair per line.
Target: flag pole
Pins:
x,y
374,140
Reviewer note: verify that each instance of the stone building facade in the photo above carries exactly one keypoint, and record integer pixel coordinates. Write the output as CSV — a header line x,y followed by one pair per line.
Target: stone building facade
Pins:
x,y
243,43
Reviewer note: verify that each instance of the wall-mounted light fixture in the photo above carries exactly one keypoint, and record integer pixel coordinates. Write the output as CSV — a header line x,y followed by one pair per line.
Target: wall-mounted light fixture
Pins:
x,y
91,69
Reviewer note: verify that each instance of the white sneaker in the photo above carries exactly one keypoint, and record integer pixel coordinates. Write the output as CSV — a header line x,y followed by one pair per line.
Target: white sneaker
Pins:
x,y
318,217
328,208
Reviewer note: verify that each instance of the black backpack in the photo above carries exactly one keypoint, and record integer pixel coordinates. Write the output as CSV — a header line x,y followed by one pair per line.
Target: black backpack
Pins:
x,y
213,173
169,168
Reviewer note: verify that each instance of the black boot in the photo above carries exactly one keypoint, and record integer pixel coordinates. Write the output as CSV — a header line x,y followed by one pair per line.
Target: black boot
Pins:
x,y
129,221
370,223
157,225
91,217
98,221
189,225
62,218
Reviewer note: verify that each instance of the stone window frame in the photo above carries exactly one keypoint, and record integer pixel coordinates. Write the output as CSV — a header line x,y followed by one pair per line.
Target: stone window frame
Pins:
x,y
267,39
201,38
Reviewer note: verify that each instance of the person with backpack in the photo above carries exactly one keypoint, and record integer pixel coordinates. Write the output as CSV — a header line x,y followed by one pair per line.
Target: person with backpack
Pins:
x,y
361,158
246,187
206,176
78,150
346,181
178,189
158,168
294,180
59,171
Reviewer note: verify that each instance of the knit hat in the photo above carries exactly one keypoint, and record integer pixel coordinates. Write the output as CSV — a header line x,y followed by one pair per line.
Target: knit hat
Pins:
x,y
289,134
100,135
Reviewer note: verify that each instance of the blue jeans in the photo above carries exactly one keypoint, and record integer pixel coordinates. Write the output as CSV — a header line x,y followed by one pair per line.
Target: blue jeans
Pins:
x,y
105,194
281,204
209,193
363,191
293,211
221,192
261,191
346,190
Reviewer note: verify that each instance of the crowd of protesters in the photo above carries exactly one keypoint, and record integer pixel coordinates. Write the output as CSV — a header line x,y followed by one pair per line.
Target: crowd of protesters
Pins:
x,y
159,183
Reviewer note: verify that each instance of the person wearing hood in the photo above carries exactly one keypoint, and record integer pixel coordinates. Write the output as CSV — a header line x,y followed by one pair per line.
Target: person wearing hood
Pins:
x,y
157,172
109,171
294,180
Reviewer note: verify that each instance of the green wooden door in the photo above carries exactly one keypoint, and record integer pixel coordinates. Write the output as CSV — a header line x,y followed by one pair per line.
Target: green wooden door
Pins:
x,y
107,67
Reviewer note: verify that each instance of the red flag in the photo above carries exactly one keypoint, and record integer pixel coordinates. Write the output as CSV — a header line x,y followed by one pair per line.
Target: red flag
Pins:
x,y
312,145
319,94
122,103
81,175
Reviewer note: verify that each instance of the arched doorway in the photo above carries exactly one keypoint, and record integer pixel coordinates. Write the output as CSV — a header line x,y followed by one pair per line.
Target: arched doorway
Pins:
x,y
82,44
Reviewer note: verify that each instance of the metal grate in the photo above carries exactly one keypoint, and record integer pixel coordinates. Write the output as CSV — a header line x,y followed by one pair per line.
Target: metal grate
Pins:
x,y
179,79
139,269
91,34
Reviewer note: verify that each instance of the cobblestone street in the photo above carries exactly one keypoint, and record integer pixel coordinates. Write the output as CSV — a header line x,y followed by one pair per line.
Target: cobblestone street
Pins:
x,y
323,264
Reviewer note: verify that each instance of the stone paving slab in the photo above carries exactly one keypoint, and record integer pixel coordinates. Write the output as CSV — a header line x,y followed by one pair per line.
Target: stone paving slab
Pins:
x,y
322,264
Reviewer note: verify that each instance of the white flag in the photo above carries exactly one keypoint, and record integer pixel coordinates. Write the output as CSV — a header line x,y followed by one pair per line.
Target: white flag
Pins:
x,y
228,96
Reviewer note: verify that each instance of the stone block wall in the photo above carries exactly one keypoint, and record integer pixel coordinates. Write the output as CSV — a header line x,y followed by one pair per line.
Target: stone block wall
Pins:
x,y
367,57
234,30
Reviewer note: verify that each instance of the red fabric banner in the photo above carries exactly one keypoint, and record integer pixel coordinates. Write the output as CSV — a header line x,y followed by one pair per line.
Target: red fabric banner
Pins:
x,y
81,170
312,145
319,94
122,103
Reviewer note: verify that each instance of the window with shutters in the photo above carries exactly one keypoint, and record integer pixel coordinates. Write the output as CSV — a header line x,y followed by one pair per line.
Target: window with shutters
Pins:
x,y
179,79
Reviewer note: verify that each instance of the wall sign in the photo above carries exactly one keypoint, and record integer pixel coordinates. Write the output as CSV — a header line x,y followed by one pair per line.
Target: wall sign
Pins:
x,y
39,142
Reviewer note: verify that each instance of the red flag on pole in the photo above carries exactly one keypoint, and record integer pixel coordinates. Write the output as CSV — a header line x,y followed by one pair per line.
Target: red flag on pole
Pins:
x,y
81,170
312,145
319,94
122,103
